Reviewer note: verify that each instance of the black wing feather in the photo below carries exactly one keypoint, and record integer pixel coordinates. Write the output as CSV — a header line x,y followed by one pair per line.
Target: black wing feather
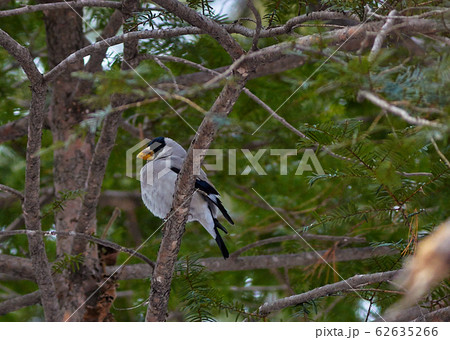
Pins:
x,y
205,187
209,190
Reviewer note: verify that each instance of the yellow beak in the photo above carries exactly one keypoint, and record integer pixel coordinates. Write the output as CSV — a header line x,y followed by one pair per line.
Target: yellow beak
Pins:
x,y
146,154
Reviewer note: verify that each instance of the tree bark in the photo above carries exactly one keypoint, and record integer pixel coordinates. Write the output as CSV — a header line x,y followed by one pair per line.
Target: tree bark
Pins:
x,y
176,220
31,204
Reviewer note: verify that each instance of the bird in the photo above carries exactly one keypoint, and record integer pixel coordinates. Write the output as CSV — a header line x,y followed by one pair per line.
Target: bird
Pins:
x,y
158,176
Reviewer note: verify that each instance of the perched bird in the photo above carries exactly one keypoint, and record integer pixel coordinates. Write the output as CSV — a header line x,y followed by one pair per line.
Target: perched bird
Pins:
x,y
158,176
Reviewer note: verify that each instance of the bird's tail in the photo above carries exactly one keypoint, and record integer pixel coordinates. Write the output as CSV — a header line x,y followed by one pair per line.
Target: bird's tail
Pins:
x,y
219,239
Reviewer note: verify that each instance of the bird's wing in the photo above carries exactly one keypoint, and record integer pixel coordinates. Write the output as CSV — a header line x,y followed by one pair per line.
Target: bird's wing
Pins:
x,y
208,191
157,188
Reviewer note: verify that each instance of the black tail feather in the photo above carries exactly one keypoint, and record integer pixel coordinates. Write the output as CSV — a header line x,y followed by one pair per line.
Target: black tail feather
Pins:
x,y
221,244
223,211
220,226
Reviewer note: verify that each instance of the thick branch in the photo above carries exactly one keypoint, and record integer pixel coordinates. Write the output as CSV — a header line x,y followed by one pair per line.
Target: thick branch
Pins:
x,y
292,260
20,268
60,5
31,206
19,302
330,289
215,264
16,266
269,60
174,228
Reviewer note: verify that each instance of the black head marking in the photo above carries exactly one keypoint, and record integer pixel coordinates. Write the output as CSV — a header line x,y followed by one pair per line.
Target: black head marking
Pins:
x,y
158,144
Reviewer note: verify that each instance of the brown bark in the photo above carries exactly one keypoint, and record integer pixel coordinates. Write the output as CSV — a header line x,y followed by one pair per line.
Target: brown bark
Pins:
x,y
16,266
64,33
174,227
31,208
19,302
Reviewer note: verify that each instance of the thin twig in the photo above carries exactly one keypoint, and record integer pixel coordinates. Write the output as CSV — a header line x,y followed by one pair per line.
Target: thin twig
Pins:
x,y
169,71
114,216
289,126
255,12
440,153
397,111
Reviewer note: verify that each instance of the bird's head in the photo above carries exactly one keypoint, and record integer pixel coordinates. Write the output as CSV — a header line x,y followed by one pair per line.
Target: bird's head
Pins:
x,y
152,149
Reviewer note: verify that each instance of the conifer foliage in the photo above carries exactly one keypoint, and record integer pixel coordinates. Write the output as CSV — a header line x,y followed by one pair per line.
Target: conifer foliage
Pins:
x,y
363,85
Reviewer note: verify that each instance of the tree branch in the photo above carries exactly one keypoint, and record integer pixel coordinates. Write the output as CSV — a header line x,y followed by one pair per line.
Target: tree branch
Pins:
x,y
95,62
396,110
269,60
19,302
21,269
442,314
288,125
15,192
106,43
330,289
216,264
344,239
16,266
60,5
31,207
14,129
292,260
381,36
86,237
207,25
255,12
439,152
174,228
19,221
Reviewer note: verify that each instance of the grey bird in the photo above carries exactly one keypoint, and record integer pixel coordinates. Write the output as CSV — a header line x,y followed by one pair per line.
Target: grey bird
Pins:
x,y
158,176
